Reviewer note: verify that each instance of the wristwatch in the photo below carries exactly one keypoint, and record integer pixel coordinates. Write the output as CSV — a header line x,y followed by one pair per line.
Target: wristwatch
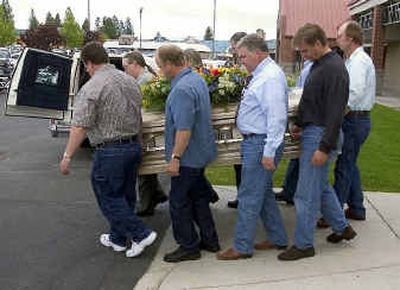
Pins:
x,y
66,156
176,156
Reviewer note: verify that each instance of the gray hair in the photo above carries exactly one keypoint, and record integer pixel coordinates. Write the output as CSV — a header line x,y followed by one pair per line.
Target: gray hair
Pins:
x,y
253,42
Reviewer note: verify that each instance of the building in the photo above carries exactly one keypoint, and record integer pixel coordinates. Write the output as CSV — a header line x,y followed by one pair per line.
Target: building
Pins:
x,y
380,20
293,14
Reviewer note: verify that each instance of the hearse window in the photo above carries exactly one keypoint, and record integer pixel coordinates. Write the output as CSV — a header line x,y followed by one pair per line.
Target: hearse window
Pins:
x,y
47,75
84,76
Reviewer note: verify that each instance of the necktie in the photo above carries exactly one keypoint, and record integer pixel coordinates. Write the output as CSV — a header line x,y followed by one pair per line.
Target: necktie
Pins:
x,y
248,80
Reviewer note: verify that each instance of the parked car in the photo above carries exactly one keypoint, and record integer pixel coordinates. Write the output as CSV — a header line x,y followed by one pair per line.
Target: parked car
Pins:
x,y
6,68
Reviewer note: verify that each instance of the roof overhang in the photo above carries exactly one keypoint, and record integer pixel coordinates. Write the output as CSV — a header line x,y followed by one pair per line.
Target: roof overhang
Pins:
x,y
363,5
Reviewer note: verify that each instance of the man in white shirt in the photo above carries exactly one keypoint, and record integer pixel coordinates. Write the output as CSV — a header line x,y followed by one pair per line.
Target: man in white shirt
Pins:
x,y
357,122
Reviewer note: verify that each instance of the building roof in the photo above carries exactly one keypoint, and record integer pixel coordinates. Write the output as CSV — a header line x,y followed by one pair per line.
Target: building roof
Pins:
x,y
359,6
329,14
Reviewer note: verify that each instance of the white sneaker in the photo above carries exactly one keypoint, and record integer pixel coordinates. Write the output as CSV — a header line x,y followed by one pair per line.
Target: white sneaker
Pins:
x,y
105,241
138,248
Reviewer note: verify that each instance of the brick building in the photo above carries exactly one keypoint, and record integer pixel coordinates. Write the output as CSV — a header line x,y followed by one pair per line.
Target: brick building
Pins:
x,y
380,20
295,13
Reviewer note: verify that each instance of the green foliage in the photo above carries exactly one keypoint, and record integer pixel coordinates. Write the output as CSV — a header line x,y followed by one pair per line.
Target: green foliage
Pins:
x,y
7,30
86,25
33,22
155,94
109,28
379,160
128,27
57,20
50,19
291,80
71,30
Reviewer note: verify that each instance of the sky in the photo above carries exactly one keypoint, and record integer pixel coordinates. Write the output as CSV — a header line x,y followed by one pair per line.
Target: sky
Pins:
x,y
175,19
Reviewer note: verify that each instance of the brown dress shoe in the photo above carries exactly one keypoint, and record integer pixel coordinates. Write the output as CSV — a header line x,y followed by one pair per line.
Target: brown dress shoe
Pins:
x,y
267,245
322,224
232,254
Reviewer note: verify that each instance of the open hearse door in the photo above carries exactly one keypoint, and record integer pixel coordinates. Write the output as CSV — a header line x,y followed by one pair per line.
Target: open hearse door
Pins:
x,y
42,86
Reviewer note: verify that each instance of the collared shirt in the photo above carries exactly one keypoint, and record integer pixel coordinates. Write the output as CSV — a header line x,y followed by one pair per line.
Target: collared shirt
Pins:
x,y
325,95
362,81
188,108
145,77
264,105
304,73
108,106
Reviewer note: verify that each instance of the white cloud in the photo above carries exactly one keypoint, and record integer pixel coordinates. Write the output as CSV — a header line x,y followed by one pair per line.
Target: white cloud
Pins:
x,y
173,18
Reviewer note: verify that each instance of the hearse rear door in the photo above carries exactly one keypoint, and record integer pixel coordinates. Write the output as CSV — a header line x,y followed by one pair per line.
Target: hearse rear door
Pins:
x,y
41,86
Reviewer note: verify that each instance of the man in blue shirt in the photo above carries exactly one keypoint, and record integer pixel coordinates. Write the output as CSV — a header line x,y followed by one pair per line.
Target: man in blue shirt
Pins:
x,y
357,122
261,119
189,147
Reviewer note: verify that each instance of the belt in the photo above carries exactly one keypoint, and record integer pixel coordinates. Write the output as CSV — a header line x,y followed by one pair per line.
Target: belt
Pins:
x,y
245,136
358,113
123,140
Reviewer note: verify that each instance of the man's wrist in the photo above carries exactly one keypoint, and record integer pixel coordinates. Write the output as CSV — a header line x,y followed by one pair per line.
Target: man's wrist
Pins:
x,y
66,156
176,156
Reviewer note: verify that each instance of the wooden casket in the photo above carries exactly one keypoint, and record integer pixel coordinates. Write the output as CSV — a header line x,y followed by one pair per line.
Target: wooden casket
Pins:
x,y
228,137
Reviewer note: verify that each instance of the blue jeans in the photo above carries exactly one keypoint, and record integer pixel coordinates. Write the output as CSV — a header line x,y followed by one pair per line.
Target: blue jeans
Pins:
x,y
113,181
291,178
314,193
256,198
189,201
347,175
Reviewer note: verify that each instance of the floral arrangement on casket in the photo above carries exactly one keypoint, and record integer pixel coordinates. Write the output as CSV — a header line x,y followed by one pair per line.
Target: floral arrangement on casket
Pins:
x,y
225,86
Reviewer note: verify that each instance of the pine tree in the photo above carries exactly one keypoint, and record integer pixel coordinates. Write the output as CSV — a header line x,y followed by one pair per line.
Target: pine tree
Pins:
x,y
57,20
209,35
86,25
50,19
71,30
128,27
33,22
7,11
109,29
7,30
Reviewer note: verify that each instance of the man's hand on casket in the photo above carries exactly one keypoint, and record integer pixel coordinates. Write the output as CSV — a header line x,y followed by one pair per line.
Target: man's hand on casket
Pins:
x,y
319,158
296,131
172,167
268,163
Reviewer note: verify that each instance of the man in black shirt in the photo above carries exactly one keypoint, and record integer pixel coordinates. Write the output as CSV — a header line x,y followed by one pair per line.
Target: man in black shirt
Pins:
x,y
321,111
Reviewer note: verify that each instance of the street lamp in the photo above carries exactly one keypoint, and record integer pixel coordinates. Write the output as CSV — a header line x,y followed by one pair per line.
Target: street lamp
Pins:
x,y
140,36
88,12
214,17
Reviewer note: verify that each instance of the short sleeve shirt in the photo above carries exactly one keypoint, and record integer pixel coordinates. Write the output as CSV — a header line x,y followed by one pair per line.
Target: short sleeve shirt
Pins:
x,y
108,106
188,108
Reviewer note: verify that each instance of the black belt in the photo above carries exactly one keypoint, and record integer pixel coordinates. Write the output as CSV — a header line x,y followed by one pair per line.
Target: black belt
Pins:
x,y
358,113
122,140
245,136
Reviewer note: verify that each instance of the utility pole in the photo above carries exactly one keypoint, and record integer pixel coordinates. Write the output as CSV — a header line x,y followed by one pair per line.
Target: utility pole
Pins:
x,y
214,17
140,36
88,12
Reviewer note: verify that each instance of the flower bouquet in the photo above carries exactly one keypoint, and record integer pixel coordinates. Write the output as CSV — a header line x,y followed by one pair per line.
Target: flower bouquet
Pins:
x,y
225,86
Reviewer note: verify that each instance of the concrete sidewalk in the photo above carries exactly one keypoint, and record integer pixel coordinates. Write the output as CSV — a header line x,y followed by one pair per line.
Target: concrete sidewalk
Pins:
x,y
371,261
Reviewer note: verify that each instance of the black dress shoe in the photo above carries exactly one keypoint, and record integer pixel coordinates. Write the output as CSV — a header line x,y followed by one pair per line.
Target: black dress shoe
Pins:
x,y
146,212
295,253
233,203
282,198
180,254
350,215
210,248
348,234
